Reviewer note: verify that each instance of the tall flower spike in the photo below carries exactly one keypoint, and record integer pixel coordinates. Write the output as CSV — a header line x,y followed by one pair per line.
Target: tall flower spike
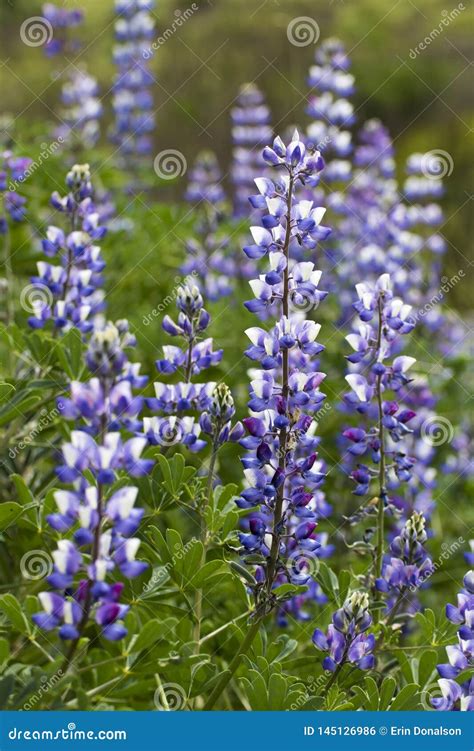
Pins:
x,y
176,401
68,292
12,174
207,251
454,695
83,109
99,516
409,565
383,318
132,97
281,468
332,113
61,19
251,130
346,640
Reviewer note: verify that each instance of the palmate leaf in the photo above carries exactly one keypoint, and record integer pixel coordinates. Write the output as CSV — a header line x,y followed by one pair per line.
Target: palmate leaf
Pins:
x,y
10,606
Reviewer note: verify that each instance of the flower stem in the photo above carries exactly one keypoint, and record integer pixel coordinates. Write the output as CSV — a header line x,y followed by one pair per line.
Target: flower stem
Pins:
x,y
282,443
382,481
234,664
203,536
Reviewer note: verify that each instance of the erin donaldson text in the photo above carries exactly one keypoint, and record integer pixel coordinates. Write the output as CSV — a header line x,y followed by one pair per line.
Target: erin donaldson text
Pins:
x,y
425,731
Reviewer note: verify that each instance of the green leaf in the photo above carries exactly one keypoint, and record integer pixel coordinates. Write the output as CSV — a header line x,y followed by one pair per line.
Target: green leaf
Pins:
x,y
6,390
162,547
360,698
289,590
151,632
277,689
12,609
328,581
69,353
344,584
372,692
243,571
211,568
4,650
404,697
387,691
9,513
24,493
6,690
19,408
427,666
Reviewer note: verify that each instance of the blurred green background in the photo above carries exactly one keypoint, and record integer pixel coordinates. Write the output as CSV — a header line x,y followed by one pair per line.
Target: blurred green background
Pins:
x,y
426,102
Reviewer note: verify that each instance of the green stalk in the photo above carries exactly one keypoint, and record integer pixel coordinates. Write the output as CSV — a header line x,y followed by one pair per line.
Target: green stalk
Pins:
x,y
234,664
382,481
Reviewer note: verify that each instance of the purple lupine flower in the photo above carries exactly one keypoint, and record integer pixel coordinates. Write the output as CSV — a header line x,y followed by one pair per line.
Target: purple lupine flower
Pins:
x,y
83,109
332,114
380,438
455,696
346,640
409,565
13,170
61,19
213,402
100,514
282,471
132,98
251,130
69,292
207,256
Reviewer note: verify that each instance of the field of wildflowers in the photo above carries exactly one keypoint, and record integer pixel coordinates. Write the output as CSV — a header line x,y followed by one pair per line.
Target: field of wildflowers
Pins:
x,y
236,457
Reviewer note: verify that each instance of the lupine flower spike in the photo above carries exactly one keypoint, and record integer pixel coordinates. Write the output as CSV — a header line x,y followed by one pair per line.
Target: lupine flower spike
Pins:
x,y
99,520
281,469
454,695
69,292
